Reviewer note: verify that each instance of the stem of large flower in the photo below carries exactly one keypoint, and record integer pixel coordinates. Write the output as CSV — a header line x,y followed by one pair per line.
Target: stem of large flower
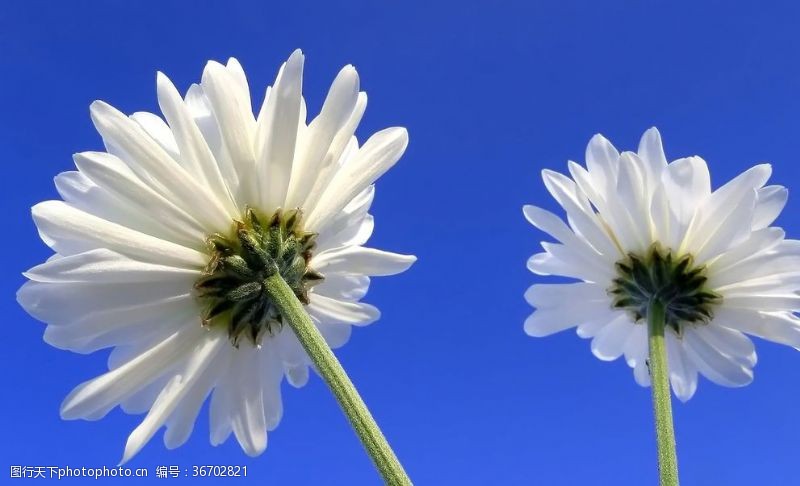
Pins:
x,y
331,370
662,399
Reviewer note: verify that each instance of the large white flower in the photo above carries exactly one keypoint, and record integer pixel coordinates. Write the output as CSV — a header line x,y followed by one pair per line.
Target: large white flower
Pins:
x,y
640,228
158,241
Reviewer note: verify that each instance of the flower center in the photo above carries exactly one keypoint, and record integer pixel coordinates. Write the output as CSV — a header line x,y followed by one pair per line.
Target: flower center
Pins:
x,y
231,288
676,282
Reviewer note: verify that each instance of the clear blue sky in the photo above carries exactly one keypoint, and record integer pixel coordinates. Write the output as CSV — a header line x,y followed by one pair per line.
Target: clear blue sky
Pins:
x,y
491,93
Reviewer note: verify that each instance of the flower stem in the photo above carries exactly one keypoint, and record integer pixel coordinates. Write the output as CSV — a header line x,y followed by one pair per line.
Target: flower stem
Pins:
x,y
662,404
331,370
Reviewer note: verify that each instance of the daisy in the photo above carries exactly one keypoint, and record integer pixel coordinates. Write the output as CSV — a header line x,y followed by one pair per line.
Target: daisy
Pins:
x,y
189,244
645,233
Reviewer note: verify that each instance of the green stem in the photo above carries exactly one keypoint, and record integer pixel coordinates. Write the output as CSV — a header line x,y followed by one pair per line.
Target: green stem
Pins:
x,y
331,370
662,399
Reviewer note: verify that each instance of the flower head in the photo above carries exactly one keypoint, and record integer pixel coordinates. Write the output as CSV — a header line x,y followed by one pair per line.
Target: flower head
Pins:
x,y
163,243
641,229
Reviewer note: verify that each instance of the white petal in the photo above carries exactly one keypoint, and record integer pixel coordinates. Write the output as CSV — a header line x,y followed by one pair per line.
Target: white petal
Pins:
x,y
737,263
106,266
581,216
336,334
601,160
343,287
378,154
631,207
721,206
548,321
332,310
236,125
272,375
651,152
311,159
195,153
682,373
717,367
361,260
57,303
162,215
99,395
277,133
730,342
158,131
68,231
549,223
347,227
771,201
766,302
297,376
609,343
779,327
343,146
247,411
732,229
200,110
170,398
155,167
219,410
548,296
569,262
687,183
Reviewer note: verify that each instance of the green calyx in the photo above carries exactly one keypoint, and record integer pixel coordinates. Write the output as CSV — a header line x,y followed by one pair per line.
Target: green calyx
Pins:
x,y
232,288
675,282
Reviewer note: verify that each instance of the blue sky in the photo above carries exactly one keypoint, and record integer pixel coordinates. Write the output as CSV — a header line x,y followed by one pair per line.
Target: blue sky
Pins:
x,y
491,93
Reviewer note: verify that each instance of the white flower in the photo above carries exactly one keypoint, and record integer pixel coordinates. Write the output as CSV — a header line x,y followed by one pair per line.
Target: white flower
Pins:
x,y
733,272
143,229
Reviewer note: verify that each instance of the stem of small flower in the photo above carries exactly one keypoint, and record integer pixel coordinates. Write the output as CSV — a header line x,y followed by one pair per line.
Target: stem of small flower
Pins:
x,y
662,398
331,370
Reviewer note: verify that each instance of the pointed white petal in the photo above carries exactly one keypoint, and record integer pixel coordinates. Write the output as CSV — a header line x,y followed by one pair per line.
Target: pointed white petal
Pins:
x,y
247,411
651,151
236,125
106,266
545,296
581,216
361,260
343,287
378,154
779,327
111,174
158,131
332,310
195,153
343,146
551,320
277,133
68,231
687,183
771,201
601,161
170,398
155,167
311,159
729,342
682,373
99,395
347,227
713,364
609,343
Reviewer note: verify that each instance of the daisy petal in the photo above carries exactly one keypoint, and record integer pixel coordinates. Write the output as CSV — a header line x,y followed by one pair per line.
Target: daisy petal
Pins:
x,y
367,261
68,231
378,154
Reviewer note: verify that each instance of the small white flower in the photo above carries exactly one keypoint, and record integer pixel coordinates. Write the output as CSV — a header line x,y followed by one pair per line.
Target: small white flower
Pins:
x,y
157,243
640,227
